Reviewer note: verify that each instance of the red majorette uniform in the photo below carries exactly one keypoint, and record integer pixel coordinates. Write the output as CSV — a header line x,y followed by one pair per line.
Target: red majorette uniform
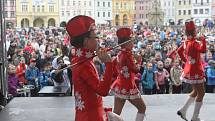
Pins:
x,y
189,52
88,88
193,71
124,86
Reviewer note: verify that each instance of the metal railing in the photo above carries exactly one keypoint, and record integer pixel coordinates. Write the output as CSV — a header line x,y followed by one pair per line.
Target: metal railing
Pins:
x,y
3,60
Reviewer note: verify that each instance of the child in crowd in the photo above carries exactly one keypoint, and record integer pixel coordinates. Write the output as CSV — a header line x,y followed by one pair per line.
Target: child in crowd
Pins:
x,y
13,82
175,73
20,71
45,76
160,76
210,72
148,81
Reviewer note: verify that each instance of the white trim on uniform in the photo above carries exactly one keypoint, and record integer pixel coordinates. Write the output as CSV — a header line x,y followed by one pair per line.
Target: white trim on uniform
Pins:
x,y
126,97
198,81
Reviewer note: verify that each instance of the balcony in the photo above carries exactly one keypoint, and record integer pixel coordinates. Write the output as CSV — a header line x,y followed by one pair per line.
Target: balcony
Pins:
x,y
10,9
44,14
200,4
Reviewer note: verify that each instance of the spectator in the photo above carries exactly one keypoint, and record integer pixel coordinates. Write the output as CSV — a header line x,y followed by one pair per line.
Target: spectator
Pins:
x,y
154,64
209,56
156,45
60,77
148,82
48,57
140,42
167,66
42,50
35,45
99,67
158,56
163,35
32,76
160,76
164,52
20,71
45,76
29,48
13,82
11,50
175,74
149,52
210,72
18,56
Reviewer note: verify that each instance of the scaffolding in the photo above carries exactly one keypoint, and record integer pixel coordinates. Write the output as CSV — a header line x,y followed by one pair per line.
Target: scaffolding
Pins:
x,y
3,56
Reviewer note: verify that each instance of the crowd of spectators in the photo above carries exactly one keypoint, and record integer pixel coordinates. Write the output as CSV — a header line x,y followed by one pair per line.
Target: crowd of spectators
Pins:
x,y
35,54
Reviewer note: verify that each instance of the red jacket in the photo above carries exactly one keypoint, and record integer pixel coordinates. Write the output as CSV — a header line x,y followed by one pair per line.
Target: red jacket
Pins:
x,y
190,53
20,72
88,88
124,86
29,48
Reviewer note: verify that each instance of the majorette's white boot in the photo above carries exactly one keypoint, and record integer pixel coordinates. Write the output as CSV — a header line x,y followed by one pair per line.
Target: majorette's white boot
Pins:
x,y
140,117
196,112
182,112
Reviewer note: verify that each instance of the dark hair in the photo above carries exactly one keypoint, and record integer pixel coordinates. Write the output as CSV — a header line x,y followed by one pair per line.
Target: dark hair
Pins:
x,y
59,58
46,64
122,40
59,77
79,40
190,33
65,50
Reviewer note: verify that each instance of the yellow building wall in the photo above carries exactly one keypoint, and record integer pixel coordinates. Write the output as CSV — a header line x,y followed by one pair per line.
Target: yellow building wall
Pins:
x,y
125,7
183,7
213,11
39,18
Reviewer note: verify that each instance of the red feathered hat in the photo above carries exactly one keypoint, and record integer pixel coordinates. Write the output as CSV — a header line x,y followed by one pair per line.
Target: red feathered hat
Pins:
x,y
124,34
190,26
80,25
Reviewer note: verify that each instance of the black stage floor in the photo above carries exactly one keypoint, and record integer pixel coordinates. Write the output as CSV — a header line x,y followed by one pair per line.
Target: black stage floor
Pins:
x,y
159,108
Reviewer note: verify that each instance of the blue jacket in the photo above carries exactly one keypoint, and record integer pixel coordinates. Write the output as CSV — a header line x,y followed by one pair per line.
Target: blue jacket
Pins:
x,y
43,79
31,74
148,79
162,35
210,72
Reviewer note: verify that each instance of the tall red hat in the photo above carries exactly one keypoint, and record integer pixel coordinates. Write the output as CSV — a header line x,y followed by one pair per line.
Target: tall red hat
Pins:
x,y
124,34
80,25
190,26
